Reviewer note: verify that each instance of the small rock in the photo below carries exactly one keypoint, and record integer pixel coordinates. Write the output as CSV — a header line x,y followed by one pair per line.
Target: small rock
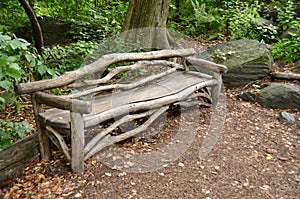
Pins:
x,y
181,164
287,117
78,195
122,174
265,187
108,174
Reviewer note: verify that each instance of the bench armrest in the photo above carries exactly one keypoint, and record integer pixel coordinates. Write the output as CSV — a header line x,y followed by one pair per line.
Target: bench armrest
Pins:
x,y
73,105
197,62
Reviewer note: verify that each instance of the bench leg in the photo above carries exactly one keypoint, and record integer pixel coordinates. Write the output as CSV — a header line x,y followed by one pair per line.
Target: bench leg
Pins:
x,y
43,138
216,90
77,138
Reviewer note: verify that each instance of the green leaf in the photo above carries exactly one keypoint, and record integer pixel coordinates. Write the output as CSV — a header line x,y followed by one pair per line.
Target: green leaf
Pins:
x,y
12,59
2,100
30,57
18,43
42,69
3,60
4,37
51,72
16,74
56,91
5,84
15,66
214,36
4,144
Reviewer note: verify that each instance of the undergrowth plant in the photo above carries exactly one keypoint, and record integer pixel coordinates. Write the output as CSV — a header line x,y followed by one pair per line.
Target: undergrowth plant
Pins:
x,y
288,49
67,58
18,63
245,22
195,17
12,131
100,22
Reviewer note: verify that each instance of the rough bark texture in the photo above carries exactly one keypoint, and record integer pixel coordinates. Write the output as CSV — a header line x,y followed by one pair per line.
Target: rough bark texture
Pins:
x,y
38,36
145,23
288,76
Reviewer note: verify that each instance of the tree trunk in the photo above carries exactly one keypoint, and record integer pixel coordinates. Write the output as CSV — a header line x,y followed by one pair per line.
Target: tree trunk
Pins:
x,y
37,31
31,3
145,23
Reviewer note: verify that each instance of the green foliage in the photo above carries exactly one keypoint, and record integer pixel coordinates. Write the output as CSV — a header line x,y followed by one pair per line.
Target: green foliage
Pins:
x,y
288,48
204,18
246,23
17,63
99,23
286,13
12,15
67,9
66,58
11,71
12,131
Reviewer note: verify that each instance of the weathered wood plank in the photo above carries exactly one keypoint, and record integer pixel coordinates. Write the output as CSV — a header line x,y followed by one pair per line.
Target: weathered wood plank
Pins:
x,y
77,139
288,76
43,138
55,117
167,86
202,63
18,155
73,105
122,86
144,105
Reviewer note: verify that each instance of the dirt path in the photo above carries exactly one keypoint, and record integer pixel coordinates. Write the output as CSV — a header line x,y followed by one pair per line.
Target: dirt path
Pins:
x,y
256,156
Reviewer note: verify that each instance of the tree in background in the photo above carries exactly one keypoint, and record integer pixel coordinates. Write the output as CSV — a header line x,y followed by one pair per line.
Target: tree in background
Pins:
x,y
37,31
145,23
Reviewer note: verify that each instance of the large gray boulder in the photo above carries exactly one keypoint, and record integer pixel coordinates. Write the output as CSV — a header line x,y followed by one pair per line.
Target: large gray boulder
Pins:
x,y
280,96
247,61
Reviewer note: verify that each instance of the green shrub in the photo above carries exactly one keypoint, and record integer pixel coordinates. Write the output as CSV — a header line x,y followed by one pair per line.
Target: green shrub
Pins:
x,y
12,131
68,58
202,20
99,23
17,63
246,23
12,15
288,49
286,13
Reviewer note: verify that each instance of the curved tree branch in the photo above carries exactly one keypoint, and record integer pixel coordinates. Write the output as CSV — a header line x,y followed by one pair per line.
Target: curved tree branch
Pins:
x,y
37,31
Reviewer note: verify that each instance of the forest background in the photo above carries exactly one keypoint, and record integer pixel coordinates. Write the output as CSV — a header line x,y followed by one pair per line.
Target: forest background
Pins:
x,y
89,22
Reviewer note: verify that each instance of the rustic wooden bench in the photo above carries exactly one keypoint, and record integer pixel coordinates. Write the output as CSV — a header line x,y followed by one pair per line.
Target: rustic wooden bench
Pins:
x,y
98,98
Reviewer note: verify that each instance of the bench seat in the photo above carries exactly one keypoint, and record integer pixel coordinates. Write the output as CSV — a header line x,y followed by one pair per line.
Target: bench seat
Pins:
x,y
169,85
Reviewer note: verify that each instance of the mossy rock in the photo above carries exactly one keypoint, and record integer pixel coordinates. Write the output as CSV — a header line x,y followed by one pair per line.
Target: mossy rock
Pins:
x,y
281,96
277,95
247,61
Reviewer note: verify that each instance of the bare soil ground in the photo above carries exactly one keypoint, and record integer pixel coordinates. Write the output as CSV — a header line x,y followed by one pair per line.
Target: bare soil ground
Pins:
x,y
256,156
